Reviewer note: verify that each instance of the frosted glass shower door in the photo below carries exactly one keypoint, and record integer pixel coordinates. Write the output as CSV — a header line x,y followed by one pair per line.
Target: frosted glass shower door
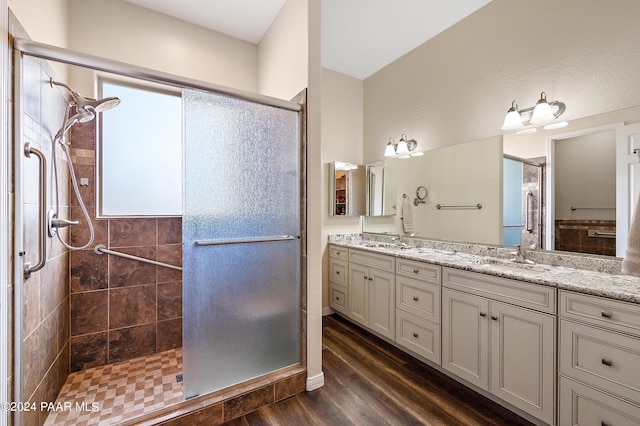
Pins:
x,y
241,245
512,202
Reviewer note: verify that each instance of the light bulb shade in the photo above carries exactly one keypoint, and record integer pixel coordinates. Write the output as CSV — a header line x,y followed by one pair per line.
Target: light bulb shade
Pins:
x,y
402,148
556,125
390,150
542,112
512,121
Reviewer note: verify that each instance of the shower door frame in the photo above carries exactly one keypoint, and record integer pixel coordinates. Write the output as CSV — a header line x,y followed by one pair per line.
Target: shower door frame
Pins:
x,y
47,52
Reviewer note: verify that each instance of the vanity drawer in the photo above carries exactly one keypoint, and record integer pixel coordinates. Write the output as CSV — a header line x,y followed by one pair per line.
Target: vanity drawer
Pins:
x,y
533,296
338,271
418,270
418,298
338,298
418,335
621,316
585,406
602,358
379,261
339,252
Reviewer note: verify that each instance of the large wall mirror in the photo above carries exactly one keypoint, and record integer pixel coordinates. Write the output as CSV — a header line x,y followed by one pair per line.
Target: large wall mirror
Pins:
x,y
574,188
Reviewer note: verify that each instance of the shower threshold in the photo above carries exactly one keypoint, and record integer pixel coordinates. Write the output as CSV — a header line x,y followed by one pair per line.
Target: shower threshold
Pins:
x,y
115,393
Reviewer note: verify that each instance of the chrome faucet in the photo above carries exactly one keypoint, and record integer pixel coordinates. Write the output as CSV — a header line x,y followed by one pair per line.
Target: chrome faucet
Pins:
x,y
397,237
521,256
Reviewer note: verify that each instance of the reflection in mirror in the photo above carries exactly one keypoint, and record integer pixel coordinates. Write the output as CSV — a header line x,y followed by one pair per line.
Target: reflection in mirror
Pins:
x,y
455,177
522,202
347,189
381,190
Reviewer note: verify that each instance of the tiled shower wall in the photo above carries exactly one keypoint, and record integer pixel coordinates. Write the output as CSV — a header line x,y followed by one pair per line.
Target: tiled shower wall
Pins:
x,y
45,300
573,235
120,309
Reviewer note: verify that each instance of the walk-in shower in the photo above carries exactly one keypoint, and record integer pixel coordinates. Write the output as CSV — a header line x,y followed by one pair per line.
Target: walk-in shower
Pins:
x,y
230,300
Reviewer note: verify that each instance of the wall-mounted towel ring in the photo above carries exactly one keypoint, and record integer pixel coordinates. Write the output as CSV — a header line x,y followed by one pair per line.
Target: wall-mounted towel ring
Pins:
x,y
421,194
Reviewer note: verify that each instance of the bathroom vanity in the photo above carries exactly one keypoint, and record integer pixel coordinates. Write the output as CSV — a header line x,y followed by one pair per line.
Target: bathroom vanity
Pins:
x,y
556,344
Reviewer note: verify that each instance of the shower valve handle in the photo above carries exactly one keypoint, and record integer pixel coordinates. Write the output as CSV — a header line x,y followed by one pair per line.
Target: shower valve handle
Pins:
x,y
63,223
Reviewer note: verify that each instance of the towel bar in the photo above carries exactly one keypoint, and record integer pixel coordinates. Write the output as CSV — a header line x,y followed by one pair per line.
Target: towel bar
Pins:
x,y
477,206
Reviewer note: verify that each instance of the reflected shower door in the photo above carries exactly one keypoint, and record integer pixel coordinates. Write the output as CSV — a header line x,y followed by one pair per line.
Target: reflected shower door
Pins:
x,y
241,228
512,202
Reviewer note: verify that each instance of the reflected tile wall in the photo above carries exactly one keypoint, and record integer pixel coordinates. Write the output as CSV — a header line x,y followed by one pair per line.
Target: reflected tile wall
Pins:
x,y
120,308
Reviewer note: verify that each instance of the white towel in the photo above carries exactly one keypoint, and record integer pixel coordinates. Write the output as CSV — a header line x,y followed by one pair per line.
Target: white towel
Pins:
x,y
631,261
406,215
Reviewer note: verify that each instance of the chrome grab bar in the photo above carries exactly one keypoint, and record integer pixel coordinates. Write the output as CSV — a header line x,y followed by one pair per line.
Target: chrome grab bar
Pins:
x,y
592,208
477,206
600,234
102,249
30,268
527,212
219,242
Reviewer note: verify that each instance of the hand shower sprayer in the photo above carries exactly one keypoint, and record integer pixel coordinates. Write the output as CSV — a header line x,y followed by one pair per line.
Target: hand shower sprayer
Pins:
x,y
85,107
85,111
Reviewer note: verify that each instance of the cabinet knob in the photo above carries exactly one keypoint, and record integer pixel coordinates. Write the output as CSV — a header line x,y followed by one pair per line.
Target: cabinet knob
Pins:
x,y
605,314
415,334
493,317
366,277
483,314
338,253
607,362
415,298
337,272
603,423
370,278
416,271
337,298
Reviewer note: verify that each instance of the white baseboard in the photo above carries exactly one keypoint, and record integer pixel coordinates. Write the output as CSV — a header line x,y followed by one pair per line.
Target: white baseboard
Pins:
x,y
315,382
327,311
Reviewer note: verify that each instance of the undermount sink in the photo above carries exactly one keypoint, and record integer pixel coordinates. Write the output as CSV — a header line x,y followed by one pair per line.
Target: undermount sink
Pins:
x,y
521,268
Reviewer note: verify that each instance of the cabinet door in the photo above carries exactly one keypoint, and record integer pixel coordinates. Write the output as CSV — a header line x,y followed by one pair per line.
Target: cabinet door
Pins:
x,y
465,336
522,356
382,306
359,294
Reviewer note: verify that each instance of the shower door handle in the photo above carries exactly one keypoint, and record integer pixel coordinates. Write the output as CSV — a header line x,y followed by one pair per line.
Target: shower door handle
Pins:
x,y
29,267
527,214
244,240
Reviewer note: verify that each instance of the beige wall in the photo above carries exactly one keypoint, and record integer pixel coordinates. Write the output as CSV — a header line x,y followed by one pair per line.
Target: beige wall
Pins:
x,y
283,53
125,32
458,86
44,20
342,128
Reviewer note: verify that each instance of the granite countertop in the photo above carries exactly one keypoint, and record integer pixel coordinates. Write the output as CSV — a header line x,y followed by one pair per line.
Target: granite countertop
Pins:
x,y
611,285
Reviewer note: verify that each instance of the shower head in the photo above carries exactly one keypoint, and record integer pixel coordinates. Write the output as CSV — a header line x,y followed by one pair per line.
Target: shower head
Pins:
x,y
88,104
86,108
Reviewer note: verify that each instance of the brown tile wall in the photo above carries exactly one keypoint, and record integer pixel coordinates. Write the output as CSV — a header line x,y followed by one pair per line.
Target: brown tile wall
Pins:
x,y
572,235
120,308
45,299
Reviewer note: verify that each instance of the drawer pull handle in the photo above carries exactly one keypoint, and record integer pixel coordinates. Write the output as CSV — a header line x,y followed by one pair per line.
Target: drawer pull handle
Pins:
x,y
415,298
416,271
483,314
607,362
415,334
606,314
493,317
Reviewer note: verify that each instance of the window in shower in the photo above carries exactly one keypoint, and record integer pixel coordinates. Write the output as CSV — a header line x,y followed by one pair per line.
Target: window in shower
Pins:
x,y
140,160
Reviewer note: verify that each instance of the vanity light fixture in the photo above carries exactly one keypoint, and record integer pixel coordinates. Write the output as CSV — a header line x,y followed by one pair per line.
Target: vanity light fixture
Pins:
x,y
525,121
405,148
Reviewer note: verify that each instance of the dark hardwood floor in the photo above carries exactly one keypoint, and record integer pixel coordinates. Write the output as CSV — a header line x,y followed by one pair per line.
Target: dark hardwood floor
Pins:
x,y
369,382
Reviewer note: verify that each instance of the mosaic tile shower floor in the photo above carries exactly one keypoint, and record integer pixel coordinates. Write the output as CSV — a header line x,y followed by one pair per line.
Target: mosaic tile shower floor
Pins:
x,y
119,391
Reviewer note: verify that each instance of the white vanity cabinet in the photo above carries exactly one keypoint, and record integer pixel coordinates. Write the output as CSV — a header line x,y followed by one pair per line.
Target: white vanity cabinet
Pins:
x,y
372,291
418,297
599,361
499,335
338,279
